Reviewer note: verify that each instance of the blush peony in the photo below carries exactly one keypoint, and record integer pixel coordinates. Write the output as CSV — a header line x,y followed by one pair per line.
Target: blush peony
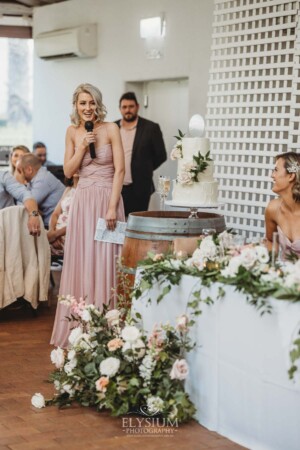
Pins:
x,y
179,370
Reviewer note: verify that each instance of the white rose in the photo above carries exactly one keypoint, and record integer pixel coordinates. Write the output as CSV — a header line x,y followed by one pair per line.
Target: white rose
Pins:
x,y
57,357
84,342
208,248
138,347
109,366
112,317
75,334
71,354
38,401
86,315
175,153
248,257
70,366
184,178
233,267
262,254
188,166
179,370
199,264
130,333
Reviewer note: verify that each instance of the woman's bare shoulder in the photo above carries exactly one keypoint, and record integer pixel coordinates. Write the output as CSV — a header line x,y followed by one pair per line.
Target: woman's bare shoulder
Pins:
x,y
273,206
71,130
111,126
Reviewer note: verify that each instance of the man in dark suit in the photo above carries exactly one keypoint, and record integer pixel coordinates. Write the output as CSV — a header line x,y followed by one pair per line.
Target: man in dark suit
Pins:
x,y
144,150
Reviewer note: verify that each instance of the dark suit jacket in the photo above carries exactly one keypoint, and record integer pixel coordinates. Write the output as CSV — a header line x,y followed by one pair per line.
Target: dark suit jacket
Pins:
x,y
148,153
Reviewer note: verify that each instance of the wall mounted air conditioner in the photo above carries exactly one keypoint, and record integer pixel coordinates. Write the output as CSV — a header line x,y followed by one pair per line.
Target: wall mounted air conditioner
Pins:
x,y
78,42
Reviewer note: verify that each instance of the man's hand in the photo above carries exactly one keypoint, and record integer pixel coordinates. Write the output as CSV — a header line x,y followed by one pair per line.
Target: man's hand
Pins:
x,y
34,226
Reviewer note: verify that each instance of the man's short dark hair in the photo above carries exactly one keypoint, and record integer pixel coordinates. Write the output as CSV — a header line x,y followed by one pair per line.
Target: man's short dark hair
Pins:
x,y
128,96
38,145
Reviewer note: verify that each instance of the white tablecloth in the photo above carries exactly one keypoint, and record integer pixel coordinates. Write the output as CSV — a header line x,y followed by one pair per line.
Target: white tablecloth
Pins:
x,y
238,372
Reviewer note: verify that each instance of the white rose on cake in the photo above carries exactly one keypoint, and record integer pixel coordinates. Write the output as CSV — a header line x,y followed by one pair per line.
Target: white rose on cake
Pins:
x,y
185,178
175,153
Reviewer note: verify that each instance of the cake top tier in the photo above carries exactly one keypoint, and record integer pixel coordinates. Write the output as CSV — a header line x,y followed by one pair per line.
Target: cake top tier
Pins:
x,y
193,145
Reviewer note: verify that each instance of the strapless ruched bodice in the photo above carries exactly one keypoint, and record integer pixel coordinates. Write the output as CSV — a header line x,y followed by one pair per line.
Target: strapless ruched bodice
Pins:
x,y
286,245
98,171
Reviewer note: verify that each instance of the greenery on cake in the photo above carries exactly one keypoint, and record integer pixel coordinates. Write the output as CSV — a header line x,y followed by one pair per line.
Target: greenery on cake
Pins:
x,y
191,169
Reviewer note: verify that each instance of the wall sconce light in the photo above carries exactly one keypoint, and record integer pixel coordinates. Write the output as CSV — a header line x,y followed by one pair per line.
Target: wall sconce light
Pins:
x,y
154,27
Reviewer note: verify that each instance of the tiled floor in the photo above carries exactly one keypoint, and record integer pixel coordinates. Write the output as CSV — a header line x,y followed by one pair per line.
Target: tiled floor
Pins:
x,y
24,368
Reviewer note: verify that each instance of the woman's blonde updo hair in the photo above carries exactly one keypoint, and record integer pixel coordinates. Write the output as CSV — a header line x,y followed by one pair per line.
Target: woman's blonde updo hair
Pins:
x,y
292,165
100,111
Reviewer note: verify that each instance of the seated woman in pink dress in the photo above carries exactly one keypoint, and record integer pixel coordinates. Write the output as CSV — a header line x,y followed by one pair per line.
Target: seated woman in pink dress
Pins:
x,y
283,213
89,269
59,218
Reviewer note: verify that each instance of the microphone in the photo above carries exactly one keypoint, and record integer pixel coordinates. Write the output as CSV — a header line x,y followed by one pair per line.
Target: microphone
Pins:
x,y
89,126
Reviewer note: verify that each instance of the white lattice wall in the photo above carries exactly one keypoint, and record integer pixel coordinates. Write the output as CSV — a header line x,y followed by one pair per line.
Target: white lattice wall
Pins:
x,y
252,111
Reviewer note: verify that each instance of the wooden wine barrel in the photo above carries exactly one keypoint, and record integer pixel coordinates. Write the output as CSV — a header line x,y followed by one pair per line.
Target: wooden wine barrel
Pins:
x,y
155,231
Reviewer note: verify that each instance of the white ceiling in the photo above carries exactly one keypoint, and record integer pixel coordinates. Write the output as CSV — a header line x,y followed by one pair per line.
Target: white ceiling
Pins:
x,y
21,8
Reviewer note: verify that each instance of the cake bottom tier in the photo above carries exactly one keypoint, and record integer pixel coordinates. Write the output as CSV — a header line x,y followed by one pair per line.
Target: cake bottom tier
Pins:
x,y
203,192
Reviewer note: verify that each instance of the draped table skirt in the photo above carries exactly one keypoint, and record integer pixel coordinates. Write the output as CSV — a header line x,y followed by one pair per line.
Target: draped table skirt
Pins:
x,y
238,376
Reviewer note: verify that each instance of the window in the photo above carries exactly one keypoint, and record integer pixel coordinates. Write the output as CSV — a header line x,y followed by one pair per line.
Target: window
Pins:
x,y
16,94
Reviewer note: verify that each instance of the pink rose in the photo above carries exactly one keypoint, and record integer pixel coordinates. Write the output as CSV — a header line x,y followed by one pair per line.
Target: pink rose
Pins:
x,y
156,340
158,257
179,370
114,344
101,384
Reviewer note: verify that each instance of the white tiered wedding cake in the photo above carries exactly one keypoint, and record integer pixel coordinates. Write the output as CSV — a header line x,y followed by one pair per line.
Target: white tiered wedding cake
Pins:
x,y
194,184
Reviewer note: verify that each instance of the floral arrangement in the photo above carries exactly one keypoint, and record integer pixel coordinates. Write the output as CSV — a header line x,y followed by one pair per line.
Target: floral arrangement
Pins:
x,y
112,364
190,169
219,259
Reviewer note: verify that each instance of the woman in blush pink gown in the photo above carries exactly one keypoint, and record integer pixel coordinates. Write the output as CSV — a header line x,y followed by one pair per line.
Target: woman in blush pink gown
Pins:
x,y
89,269
283,213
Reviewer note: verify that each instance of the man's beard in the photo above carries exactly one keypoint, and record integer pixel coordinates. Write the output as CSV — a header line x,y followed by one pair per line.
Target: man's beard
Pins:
x,y
131,118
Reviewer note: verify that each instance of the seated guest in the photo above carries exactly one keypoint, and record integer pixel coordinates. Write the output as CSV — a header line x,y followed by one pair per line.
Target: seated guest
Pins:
x,y
43,186
11,190
16,153
283,213
39,149
59,218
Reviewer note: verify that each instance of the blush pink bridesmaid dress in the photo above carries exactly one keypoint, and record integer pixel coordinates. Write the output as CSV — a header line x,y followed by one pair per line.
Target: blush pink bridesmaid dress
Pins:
x,y
89,269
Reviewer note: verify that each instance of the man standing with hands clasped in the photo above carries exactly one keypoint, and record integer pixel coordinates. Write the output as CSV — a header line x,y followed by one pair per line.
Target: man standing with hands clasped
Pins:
x,y
144,151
